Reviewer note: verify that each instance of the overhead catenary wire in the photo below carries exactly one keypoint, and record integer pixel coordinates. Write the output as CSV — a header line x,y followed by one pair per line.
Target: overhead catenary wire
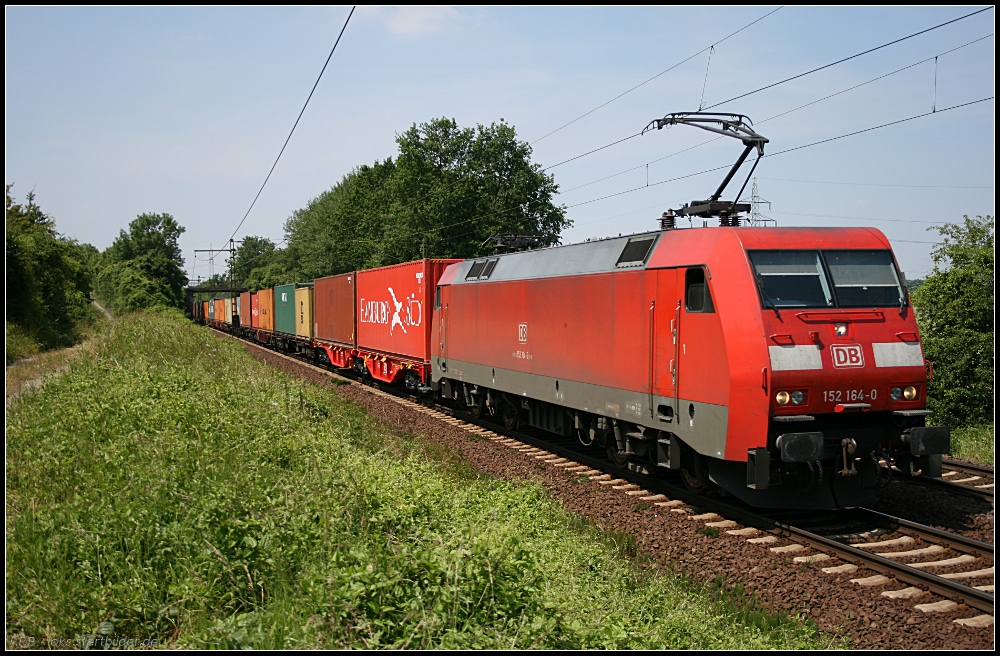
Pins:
x,y
718,168
878,184
794,77
299,118
648,80
769,118
877,127
855,56
614,143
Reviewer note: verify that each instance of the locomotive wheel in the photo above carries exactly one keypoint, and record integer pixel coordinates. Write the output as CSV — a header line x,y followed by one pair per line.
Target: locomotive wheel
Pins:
x,y
511,415
694,471
619,458
692,482
476,409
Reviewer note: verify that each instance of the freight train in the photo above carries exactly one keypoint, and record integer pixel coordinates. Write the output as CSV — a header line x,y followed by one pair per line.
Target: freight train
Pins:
x,y
782,366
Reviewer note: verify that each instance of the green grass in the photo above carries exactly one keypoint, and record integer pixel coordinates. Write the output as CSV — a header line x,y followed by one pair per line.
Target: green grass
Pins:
x,y
170,486
975,443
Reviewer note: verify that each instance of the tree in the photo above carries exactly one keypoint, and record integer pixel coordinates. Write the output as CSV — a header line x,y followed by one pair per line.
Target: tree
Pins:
x,y
955,310
448,191
252,253
143,268
48,278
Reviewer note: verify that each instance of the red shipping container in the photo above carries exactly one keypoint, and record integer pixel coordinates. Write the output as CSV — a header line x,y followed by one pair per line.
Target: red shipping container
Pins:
x,y
245,309
254,321
333,303
394,308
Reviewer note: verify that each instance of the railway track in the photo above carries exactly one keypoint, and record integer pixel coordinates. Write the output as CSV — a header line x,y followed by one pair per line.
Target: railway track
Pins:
x,y
897,550
958,477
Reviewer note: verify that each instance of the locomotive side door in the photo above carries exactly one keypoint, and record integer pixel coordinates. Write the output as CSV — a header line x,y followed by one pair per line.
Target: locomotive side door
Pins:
x,y
664,352
442,311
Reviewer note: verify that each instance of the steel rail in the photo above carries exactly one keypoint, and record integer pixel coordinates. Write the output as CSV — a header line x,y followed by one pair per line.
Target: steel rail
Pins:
x,y
947,588
954,540
944,587
969,467
947,486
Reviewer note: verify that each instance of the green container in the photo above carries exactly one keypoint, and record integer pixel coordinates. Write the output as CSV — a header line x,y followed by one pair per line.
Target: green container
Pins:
x,y
284,309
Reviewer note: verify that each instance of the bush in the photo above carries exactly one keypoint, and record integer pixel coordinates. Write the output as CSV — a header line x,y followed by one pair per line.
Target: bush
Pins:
x,y
20,344
48,280
955,306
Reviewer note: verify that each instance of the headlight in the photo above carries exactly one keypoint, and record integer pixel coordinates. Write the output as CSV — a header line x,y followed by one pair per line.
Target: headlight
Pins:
x,y
782,398
798,397
895,393
909,392
840,329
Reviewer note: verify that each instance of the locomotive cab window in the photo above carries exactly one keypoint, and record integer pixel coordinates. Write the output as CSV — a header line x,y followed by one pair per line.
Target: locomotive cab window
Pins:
x,y
790,278
697,298
864,278
437,298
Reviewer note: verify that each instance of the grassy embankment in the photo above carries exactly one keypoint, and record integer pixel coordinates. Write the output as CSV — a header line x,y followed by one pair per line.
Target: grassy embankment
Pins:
x,y
974,443
169,485
28,365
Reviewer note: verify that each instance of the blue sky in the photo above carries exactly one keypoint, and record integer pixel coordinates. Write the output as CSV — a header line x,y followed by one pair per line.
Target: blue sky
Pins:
x,y
113,112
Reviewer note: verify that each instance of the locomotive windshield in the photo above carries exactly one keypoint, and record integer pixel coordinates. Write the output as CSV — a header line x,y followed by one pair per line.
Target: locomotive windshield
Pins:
x,y
810,279
792,278
863,278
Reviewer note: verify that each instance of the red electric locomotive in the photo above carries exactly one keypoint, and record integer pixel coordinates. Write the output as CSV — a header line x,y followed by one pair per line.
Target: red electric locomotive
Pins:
x,y
781,365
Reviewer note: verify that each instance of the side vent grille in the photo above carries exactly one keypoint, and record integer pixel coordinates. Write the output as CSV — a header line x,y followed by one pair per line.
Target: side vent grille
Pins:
x,y
636,252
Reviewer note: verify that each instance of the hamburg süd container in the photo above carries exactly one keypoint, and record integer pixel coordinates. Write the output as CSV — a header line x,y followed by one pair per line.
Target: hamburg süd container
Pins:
x,y
254,310
394,305
304,311
333,307
265,309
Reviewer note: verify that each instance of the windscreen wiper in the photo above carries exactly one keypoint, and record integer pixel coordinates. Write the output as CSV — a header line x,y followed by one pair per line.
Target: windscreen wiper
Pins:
x,y
760,285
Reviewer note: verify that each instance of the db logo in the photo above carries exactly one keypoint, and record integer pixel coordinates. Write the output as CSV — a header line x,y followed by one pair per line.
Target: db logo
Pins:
x,y
847,355
522,332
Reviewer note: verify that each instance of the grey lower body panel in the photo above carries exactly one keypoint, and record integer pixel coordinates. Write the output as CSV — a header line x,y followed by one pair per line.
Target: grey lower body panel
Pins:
x,y
702,426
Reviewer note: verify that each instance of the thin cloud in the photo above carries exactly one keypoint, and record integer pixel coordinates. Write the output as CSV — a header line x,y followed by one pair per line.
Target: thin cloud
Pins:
x,y
416,21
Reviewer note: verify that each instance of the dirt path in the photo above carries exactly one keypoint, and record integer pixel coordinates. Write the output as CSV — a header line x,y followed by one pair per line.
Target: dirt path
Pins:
x,y
27,374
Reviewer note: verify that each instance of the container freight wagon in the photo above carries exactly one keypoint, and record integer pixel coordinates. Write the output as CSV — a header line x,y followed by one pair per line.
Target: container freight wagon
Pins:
x,y
245,310
284,309
265,314
334,314
393,318
304,311
219,316
768,362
